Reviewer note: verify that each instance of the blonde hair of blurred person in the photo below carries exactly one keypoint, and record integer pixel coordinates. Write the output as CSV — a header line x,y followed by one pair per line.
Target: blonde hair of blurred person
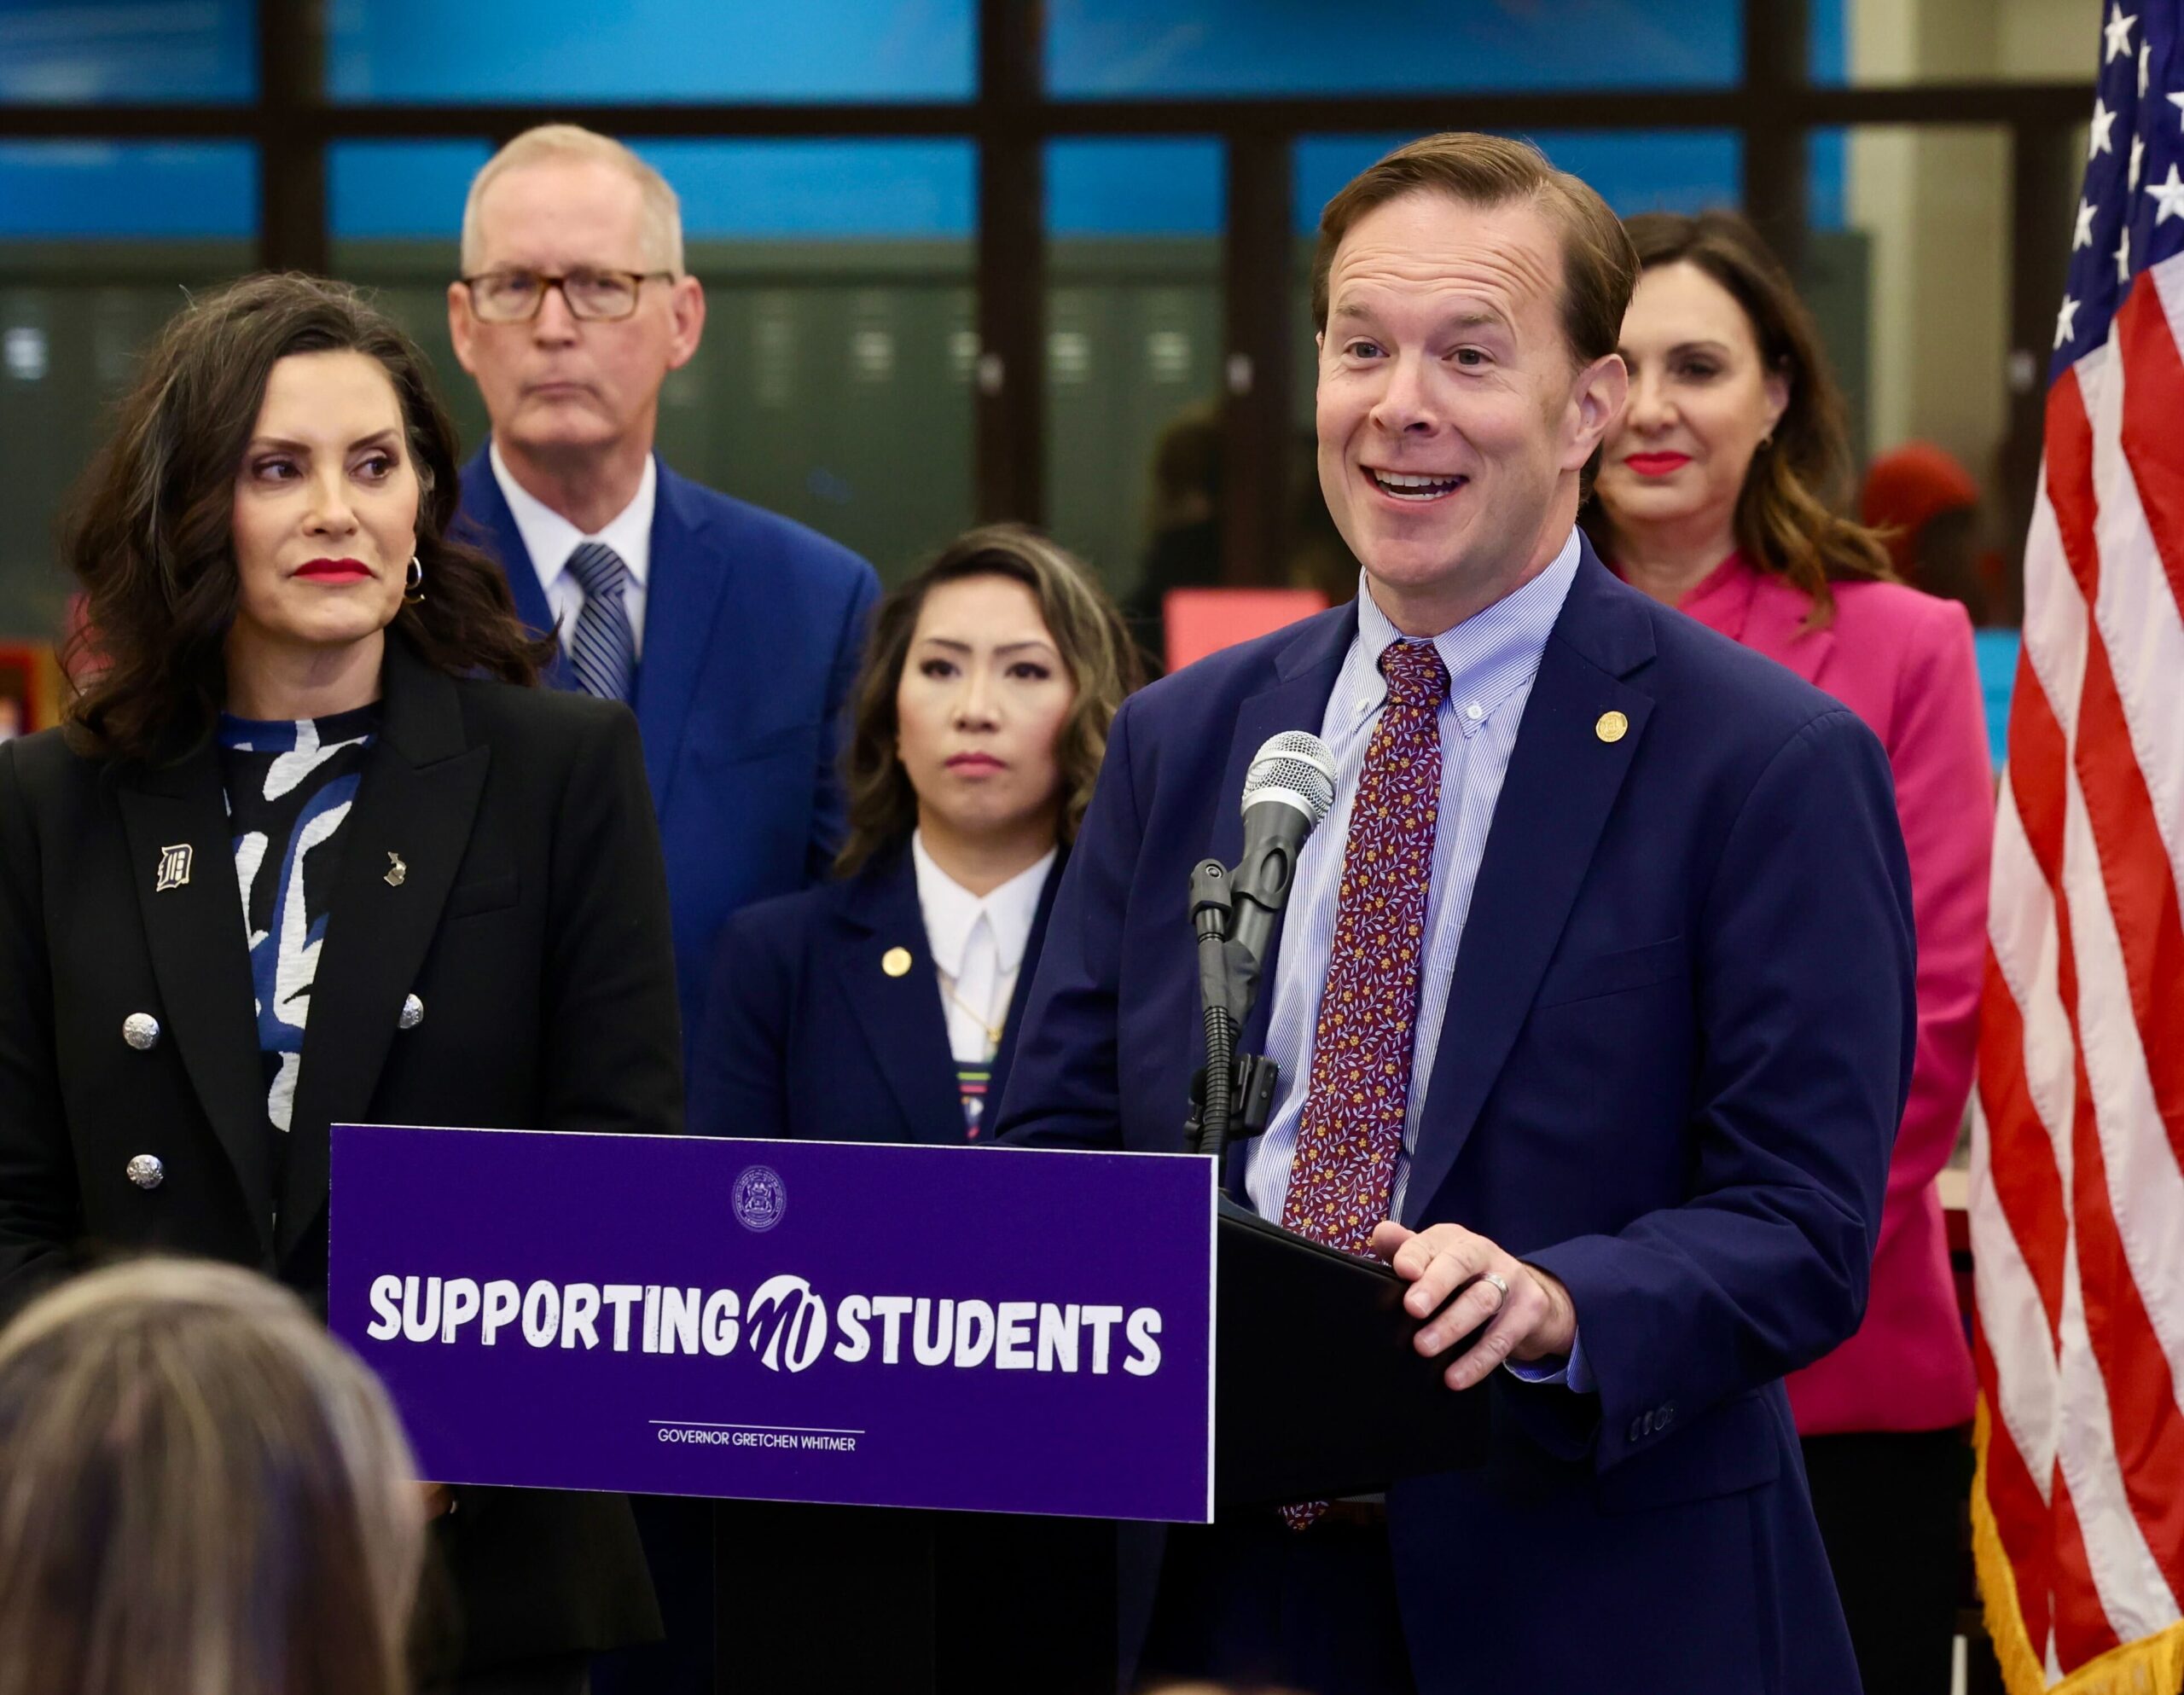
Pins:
x,y
574,402
201,1493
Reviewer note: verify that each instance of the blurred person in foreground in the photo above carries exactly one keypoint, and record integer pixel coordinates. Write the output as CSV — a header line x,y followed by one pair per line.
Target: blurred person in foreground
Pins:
x,y
1592,1003
1717,495
200,1492
731,631
308,851
883,1007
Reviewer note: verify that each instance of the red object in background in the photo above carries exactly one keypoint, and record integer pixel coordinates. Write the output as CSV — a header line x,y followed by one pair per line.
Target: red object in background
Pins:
x,y
1202,621
19,685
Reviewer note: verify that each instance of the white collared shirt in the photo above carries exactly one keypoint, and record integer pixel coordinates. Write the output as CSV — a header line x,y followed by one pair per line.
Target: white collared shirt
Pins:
x,y
977,945
551,538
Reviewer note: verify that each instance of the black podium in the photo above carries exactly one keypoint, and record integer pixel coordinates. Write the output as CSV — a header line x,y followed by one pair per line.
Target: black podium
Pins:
x,y
1319,1392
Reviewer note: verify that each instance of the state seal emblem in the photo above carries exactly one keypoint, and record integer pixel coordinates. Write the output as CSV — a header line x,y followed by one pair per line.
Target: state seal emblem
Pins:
x,y
760,1198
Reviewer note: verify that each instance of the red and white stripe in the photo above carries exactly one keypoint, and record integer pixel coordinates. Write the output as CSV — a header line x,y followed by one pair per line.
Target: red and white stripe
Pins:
x,y
2077,1186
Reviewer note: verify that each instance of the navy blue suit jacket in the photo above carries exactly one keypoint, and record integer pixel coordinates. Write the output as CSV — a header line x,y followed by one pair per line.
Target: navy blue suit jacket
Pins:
x,y
805,1035
754,627
1678,1039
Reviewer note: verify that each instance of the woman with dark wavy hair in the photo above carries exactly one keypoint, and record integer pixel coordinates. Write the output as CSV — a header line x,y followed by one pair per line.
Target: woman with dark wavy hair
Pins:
x,y
1720,492
884,1007
306,852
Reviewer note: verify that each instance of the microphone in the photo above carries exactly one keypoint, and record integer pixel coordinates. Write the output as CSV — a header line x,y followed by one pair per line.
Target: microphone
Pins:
x,y
1286,793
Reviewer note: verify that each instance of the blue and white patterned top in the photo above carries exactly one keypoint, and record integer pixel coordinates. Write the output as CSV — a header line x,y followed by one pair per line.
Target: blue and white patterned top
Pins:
x,y
290,786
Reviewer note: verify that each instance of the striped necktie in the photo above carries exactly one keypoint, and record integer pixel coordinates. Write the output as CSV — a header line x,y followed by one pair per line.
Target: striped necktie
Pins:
x,y
603,648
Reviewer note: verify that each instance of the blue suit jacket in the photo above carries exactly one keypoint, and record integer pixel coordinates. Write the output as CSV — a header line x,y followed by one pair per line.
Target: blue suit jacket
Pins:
x,y
806,1036
754,627
1678,1039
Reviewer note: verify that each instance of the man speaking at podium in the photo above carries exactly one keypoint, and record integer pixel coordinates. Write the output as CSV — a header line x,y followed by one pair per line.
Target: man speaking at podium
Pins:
x,y
1592,1004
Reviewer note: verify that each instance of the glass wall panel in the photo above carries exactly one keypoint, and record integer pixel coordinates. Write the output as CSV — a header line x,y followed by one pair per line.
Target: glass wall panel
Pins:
x,y
1134,347
98,243
833,380
650,51
1876,43
1113,48
1906,271
78,51
1635,170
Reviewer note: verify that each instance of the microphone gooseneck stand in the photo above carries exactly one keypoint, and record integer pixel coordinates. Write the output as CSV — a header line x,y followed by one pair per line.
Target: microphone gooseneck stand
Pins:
x,y
1234,1096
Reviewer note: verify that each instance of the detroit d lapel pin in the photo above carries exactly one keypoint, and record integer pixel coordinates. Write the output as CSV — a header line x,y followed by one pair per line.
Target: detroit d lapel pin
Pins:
x,y
173,869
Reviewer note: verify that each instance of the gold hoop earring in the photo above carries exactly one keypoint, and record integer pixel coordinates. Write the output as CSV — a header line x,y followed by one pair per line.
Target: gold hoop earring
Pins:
x,y
413,593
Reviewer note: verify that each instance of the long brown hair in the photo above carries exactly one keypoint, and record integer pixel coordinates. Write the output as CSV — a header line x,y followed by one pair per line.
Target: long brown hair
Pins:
x,y
1789,517
201,1492
1096,646
150,531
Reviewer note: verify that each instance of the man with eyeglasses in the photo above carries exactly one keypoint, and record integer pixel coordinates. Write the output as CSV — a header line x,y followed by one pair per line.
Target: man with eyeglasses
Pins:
x,y
733,633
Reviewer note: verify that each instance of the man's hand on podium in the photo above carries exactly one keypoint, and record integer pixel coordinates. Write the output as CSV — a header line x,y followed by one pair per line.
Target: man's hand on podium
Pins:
x,y
1533,1320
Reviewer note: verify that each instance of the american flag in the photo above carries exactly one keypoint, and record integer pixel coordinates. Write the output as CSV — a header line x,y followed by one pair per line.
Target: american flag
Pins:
x,y
2076,1196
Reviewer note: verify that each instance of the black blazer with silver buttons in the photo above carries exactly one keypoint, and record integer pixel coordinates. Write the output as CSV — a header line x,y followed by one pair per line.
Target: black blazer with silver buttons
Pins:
x,y
516,972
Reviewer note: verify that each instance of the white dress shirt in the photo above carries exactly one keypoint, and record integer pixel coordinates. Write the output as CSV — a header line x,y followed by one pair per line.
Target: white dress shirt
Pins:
x,y
551,538
977,944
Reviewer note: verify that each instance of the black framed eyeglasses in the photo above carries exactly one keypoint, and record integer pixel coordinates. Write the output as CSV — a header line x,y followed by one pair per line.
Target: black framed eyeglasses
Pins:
x,y
592,296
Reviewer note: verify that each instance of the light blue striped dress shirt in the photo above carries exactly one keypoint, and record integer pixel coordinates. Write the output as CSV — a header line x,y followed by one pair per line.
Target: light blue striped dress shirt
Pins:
x,y
1492,657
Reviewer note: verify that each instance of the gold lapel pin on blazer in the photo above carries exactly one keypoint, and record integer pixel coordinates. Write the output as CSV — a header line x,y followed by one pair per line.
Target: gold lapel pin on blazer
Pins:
x,y
396,870
1611,726
173,870
895,961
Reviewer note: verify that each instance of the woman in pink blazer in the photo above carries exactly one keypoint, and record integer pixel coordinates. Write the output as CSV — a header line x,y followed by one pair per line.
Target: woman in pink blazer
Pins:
x,y
1714,495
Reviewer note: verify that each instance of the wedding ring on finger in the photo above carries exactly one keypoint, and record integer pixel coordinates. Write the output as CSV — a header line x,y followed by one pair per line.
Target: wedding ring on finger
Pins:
x,y
1501,1285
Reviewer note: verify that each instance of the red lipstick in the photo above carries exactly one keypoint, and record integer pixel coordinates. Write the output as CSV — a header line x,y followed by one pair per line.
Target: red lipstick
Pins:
x,y
334,571
1656,464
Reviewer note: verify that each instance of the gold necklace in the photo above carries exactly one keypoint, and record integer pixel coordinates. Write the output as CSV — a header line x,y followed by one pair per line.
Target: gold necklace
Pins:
x,y
992,1030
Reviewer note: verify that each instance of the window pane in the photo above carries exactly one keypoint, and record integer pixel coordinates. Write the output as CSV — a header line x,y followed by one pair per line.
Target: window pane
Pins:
x,y
1133,346
1106,49
833,380
97,244
650,51
1878,42
77,51
1634,170
1907,269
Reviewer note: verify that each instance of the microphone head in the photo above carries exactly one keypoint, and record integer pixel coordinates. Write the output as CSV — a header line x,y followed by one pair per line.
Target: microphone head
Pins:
x,y
1294,768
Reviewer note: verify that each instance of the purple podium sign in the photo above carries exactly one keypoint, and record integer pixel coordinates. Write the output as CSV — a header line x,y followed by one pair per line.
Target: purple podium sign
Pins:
x,y
993,1329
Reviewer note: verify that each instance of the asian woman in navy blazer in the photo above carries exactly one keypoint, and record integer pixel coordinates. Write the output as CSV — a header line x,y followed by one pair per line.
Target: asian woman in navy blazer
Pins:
x,y
883,1007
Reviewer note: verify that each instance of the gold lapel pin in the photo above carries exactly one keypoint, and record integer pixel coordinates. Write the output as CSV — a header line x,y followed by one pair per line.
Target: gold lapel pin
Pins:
x,y
1611,726
895,961
396,870
173,871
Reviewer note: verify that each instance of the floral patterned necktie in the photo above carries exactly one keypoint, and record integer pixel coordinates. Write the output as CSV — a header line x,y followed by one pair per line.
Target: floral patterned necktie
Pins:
x,y
1345,1168
1351,1131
